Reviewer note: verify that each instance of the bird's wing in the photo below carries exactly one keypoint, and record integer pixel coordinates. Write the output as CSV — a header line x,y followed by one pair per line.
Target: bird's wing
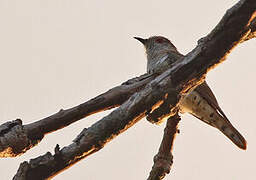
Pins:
x,y
205,91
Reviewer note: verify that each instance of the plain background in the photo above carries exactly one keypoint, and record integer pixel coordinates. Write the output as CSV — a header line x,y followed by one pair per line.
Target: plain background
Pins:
x,y
59,53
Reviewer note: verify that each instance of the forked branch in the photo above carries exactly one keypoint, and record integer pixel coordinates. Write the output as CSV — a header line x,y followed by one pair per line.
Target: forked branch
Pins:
x,y
178,80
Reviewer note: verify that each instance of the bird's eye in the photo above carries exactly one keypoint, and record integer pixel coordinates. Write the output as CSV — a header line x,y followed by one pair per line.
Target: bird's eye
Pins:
x,y
159,40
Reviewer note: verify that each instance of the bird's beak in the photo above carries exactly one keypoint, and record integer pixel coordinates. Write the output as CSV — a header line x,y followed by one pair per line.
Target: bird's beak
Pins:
x,y
143,41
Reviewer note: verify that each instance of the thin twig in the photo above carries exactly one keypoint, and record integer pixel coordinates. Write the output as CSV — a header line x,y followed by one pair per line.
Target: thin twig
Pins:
x,y
163,159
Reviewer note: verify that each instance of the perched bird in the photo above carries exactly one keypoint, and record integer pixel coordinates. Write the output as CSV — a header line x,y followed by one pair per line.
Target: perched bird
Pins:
x,y
201,102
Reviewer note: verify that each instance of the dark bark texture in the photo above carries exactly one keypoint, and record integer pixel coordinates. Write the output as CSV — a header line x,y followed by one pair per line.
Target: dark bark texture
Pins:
x,y
16,139
135,98
163,159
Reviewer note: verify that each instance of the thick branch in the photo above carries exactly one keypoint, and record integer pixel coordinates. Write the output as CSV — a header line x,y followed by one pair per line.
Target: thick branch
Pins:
x,y
31,134
163,159
224,38
252,33
213,49
94,138
16,139
181,78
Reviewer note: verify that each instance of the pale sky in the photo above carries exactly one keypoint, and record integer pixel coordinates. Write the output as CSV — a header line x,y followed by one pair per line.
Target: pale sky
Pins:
x,y
60,53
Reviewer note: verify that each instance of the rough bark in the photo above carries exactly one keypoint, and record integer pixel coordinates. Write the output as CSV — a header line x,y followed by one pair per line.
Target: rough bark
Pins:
x,y
178,80
163,160
14,143
16,139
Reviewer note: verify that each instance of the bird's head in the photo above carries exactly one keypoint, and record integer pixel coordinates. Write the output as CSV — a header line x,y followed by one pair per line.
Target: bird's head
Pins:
x,y
157,43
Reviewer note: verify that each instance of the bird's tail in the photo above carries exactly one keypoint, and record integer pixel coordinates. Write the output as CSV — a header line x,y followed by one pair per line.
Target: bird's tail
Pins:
x,y
203,110
230,131
224,125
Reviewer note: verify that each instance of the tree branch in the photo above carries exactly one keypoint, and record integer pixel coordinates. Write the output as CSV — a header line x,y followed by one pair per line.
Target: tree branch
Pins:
x,y
227,35
252,33
16,139
163,159
178,80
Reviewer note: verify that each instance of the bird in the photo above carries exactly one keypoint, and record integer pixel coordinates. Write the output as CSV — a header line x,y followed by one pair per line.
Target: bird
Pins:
x,y
201,102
